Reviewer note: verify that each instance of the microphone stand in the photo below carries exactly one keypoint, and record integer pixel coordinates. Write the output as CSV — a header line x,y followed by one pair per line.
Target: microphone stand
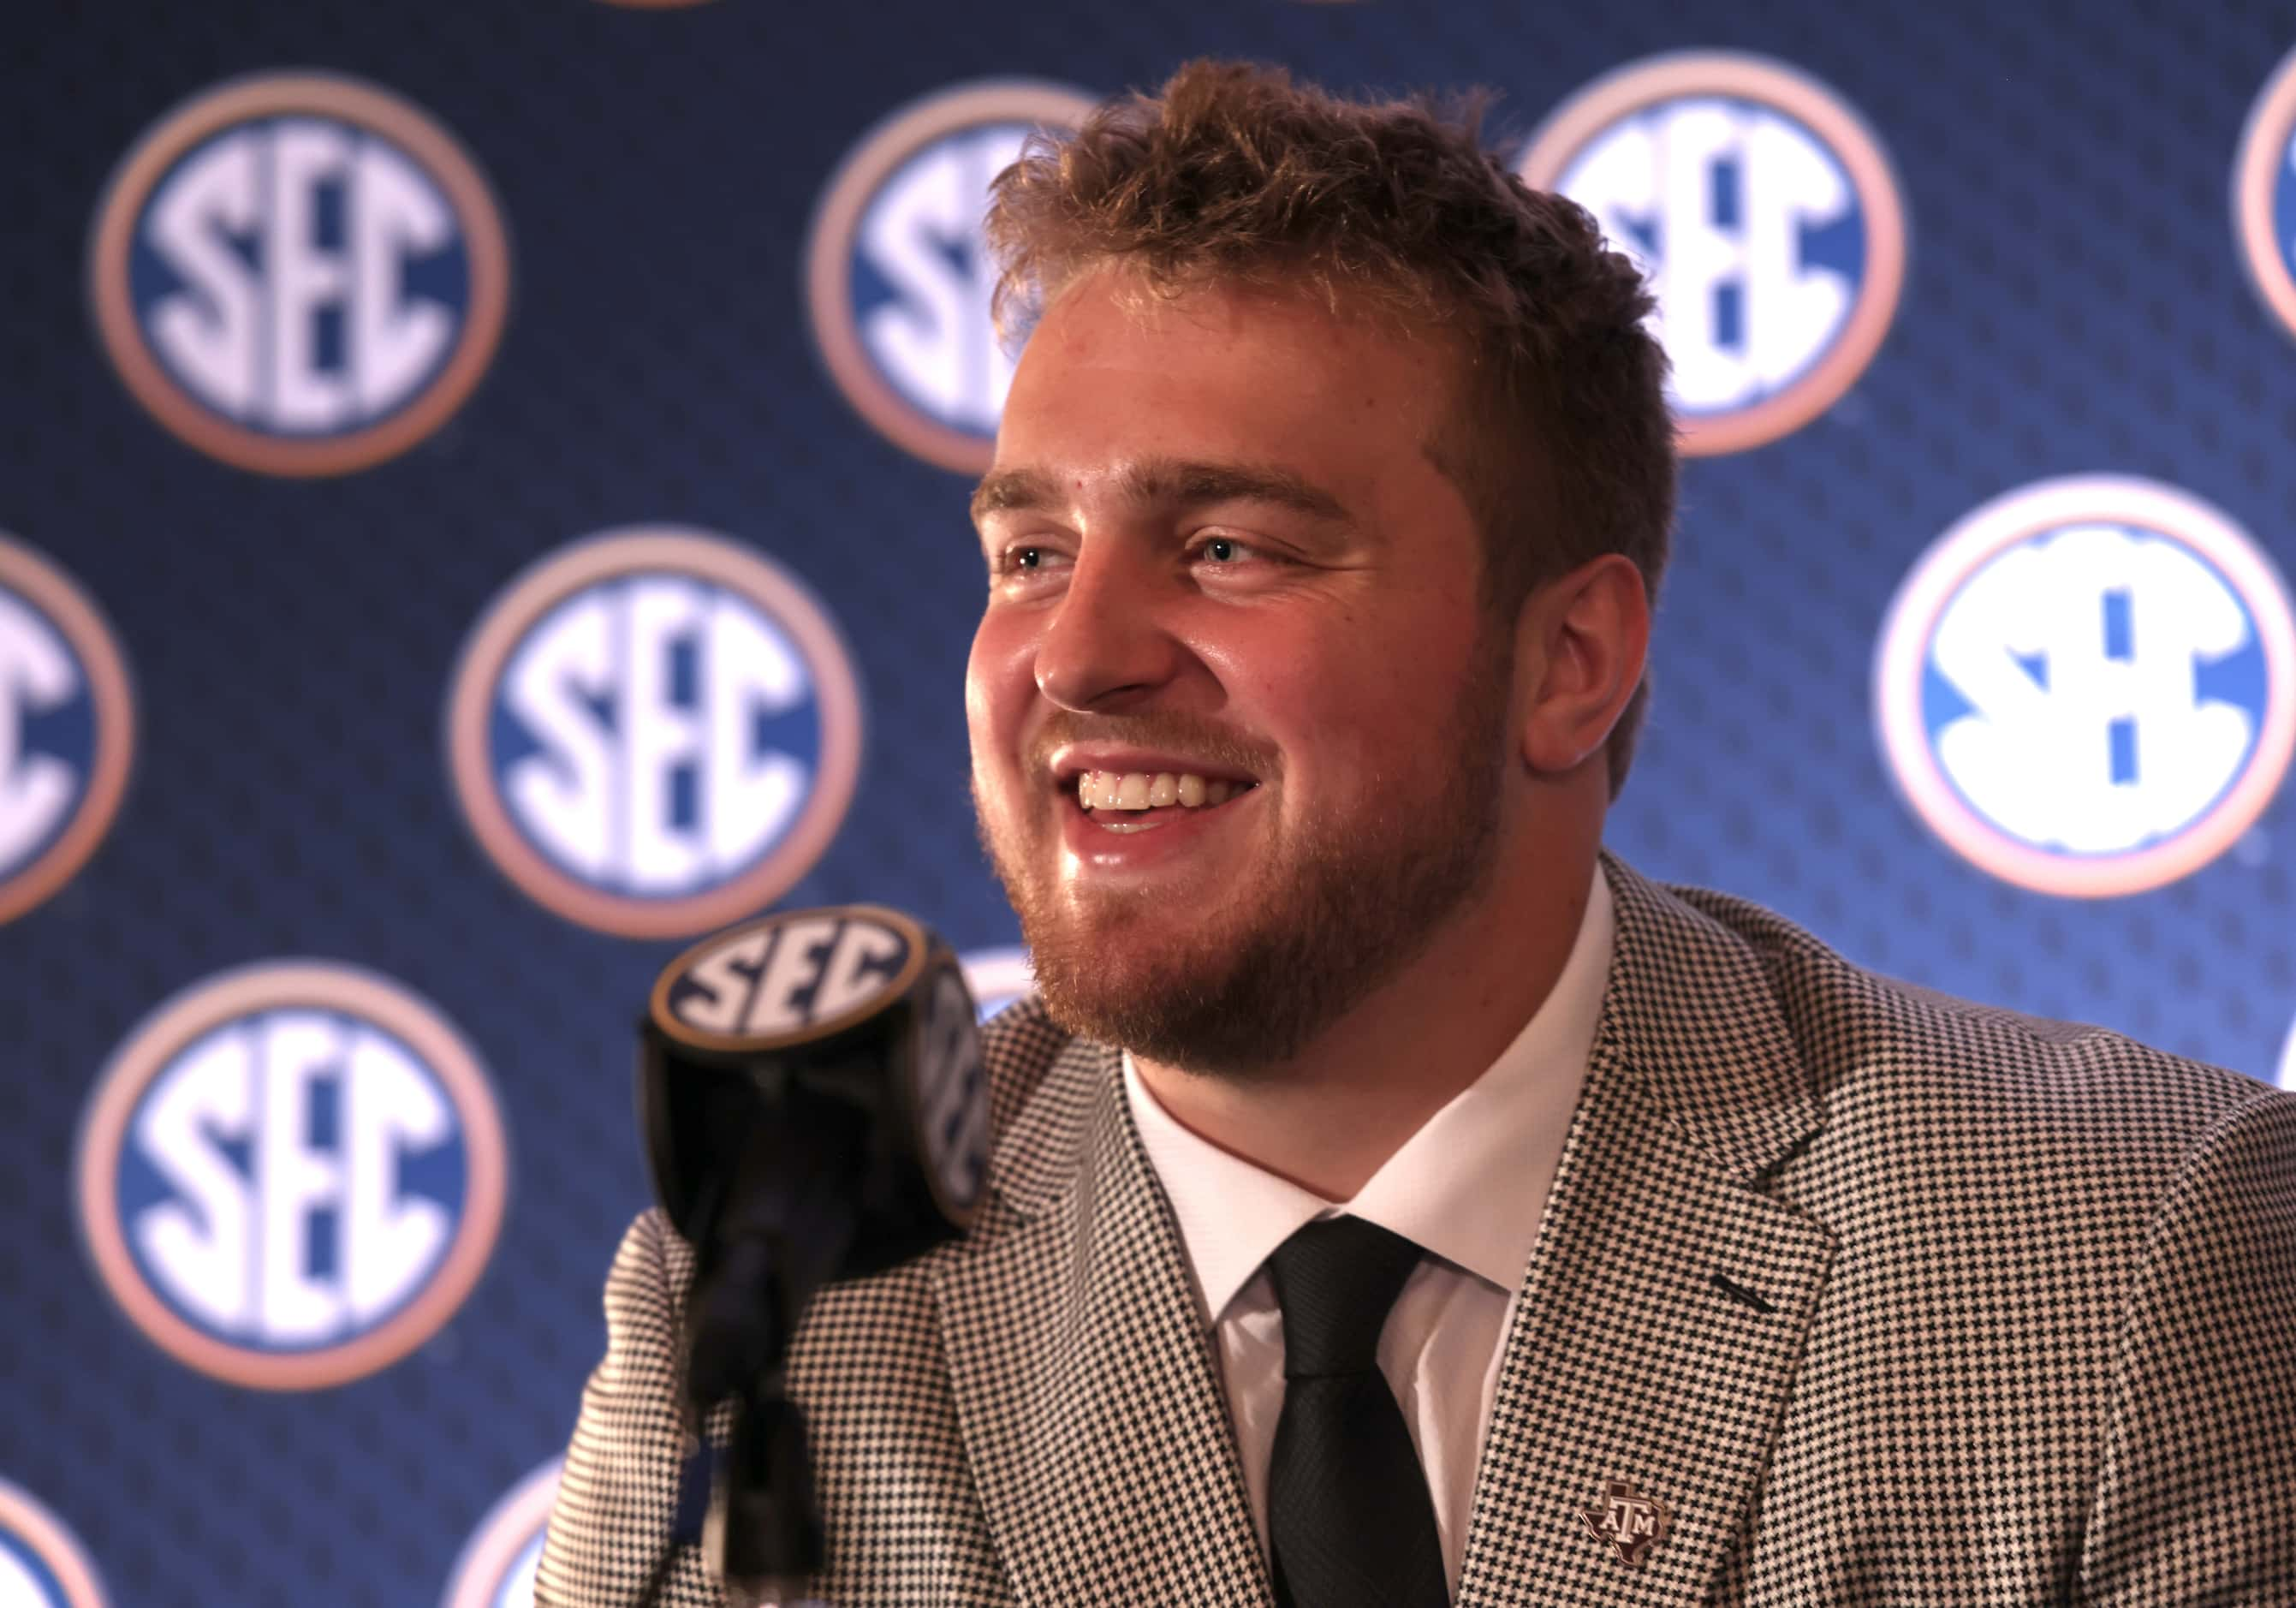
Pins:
x,y
786,1158
764,1527
763,1532
762,1244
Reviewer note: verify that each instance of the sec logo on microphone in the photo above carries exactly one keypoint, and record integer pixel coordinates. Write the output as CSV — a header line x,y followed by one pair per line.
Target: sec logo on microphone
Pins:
x,y
1769,221
800,977
654,731
789,979
497,1566
300,274
898,277
41,1565
2263,193
2087,686
290,1174
67,728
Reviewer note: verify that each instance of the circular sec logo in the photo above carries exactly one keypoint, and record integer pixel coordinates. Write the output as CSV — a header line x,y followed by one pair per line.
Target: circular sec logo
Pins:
x,y
2087,687
67,728
41,1565
291,1175
899,278
300,274
789,978
2263,193
1766,217
654,732
499,1562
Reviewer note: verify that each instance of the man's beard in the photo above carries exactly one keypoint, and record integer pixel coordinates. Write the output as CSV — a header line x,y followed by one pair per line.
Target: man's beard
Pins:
x,y
1280,958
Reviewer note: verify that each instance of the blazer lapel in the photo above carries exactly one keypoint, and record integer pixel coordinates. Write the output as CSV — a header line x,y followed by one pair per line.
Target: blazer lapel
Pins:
x,y
1084,1386
1628,1360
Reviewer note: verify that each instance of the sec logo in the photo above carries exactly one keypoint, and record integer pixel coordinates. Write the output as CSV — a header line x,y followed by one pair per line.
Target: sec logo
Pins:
x,y
290,1174
654,731
789,979
998,978
41,1565
67,728
300,274
2263,193
897,278
1765,214
497,1566
2087,687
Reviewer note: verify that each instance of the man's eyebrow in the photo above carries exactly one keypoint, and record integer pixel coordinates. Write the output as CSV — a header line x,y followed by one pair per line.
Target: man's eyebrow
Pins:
x,y
1167,482
1010,490
1186,484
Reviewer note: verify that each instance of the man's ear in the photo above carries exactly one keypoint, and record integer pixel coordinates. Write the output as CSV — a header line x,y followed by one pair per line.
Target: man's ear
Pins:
x,y
1580,642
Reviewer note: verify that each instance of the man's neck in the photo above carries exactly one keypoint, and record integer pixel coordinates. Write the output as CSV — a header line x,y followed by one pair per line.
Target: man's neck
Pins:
x,y
1328,1117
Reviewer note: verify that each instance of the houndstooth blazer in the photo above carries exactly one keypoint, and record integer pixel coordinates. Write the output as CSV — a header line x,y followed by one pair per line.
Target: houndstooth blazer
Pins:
x,y
1887,1297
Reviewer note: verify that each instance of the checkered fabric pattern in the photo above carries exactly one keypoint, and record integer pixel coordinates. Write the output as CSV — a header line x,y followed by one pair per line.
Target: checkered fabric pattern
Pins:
x,y
1887,1297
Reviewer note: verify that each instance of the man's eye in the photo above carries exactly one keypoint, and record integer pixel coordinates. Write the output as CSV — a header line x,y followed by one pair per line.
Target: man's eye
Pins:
x,y
1025,560
1223,549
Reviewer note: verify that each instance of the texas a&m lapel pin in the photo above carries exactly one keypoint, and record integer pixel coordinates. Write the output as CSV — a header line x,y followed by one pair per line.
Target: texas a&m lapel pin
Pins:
x,y
1627,1520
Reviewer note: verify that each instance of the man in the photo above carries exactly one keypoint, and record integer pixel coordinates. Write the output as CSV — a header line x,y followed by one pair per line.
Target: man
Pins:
x,y
1395,1200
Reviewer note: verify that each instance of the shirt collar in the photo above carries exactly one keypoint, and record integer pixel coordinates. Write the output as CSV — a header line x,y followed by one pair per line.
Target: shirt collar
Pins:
x,y
1468,1186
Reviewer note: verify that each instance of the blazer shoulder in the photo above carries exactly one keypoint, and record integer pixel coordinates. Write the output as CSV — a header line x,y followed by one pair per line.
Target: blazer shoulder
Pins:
x,y
618,1490
1046,1088
1863,1034
1018,1046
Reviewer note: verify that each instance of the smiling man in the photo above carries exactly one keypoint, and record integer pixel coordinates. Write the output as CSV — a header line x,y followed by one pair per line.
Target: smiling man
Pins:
x,y
1395,1199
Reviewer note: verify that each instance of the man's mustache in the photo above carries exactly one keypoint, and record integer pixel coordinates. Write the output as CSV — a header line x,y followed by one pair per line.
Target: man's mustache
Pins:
x,y
1197,737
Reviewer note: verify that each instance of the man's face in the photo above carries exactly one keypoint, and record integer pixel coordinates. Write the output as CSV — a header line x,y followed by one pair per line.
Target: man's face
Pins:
x,y
1217,549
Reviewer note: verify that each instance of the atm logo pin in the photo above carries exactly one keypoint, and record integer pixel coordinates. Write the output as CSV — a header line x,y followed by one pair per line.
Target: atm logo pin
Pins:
x,y
1627,1520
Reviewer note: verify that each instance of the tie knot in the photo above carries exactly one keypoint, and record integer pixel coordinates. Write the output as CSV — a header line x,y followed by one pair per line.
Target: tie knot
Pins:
x,y
1335,1280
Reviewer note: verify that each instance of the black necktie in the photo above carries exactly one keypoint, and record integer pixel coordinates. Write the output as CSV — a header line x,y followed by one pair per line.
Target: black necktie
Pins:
x,y
1349,1520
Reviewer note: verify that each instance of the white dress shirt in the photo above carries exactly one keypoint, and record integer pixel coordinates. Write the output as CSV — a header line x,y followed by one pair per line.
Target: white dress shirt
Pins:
x,y
1468,1188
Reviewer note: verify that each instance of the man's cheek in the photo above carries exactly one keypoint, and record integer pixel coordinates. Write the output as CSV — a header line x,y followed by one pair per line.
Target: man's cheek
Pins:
x,y
982,730
989,681
1006,796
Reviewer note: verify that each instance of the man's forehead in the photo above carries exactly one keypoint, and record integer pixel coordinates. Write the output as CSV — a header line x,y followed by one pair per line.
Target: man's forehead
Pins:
x,y
1158,482
1118,315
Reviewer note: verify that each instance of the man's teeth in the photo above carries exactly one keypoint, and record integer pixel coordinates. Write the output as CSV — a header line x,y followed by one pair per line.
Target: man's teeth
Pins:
x,y
1139,789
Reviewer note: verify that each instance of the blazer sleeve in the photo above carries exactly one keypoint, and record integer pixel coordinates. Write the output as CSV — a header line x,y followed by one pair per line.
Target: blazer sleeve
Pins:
x,y
617,1493
2193,1497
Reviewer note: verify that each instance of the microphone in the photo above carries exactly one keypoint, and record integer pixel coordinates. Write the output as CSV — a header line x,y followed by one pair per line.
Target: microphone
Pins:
x,y
814,1107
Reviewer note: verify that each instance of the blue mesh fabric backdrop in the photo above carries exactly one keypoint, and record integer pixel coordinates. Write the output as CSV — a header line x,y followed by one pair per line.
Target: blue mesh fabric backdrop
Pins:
x,y
327,322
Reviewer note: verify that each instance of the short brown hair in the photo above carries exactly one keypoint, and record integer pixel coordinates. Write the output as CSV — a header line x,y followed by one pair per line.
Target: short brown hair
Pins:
x,y
1562,442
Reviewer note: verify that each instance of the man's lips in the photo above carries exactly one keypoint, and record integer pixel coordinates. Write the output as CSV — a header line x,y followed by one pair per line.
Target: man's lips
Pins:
x,y
1072,760
1132,840
1143,781
1137,792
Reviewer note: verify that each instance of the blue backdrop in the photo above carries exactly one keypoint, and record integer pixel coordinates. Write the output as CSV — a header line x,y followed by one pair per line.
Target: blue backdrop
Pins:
x,y
482,484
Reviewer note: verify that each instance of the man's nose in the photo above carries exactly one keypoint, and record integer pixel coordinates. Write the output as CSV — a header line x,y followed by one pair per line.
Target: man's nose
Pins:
x,y
1105,645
